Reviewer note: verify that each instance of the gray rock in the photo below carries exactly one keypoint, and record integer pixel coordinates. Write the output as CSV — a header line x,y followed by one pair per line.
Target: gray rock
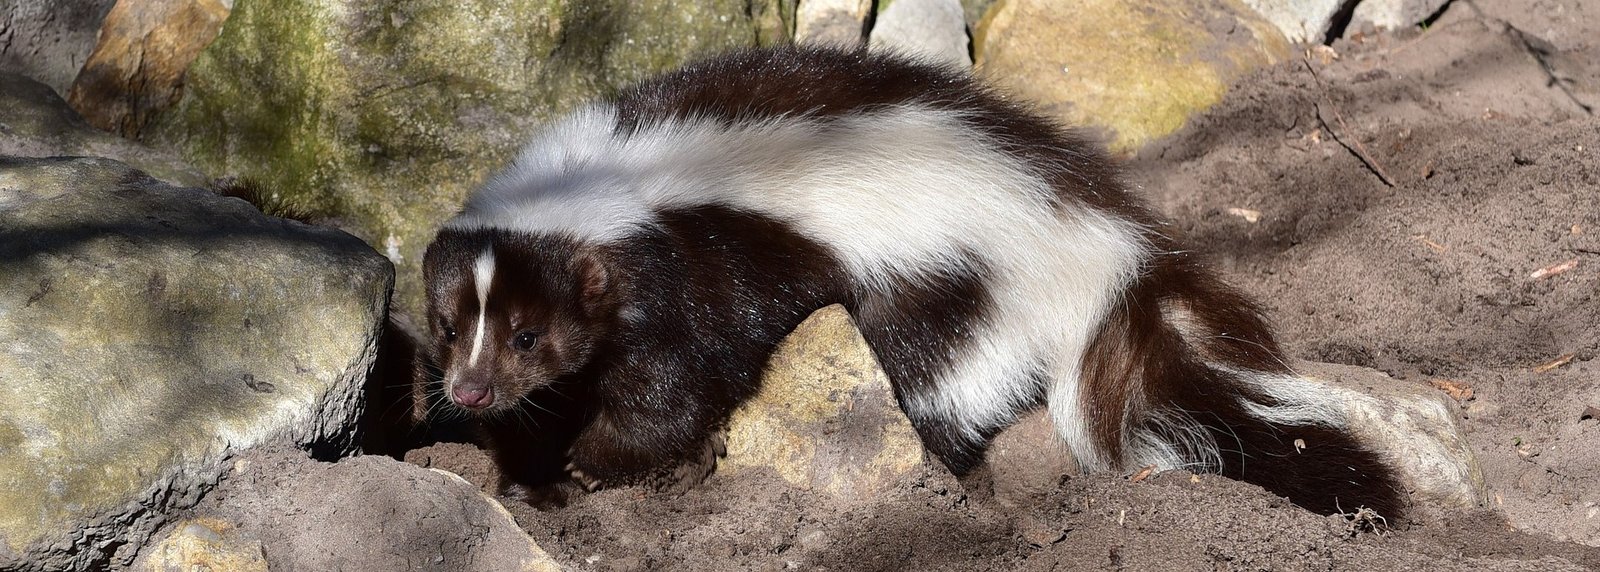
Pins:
x,y
1393,14
831,22
285,511
147,332
35,122
931,29
1302,21
48,40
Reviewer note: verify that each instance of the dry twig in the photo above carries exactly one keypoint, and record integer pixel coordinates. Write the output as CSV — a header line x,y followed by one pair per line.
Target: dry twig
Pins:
x,y
1354,144
1553,269
1555,363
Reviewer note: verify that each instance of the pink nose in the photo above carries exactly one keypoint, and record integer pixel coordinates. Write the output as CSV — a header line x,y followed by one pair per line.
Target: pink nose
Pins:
x,y
474,397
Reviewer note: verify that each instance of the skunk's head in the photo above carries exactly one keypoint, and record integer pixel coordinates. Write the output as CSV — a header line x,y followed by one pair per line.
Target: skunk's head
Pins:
x,y
510,313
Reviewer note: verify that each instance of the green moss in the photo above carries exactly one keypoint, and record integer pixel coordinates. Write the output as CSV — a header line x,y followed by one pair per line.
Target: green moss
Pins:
x,y
383,115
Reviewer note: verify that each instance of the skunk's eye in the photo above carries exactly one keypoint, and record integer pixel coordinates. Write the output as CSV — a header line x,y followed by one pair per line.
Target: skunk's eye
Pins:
x,y
525,341
449,332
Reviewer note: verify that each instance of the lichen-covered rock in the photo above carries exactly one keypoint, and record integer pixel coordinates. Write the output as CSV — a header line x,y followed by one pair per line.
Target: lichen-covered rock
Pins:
x,y
203,544
1301,21
1133,69
137,66
362,513
826,418
48,40
930,29
146,333
1413,426
384,114
35,122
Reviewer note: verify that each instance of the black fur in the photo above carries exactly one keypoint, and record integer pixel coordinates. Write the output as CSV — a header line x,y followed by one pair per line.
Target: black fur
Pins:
x,y
651,341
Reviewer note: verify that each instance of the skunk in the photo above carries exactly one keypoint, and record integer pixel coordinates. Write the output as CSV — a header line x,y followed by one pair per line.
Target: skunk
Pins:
x,y
633,269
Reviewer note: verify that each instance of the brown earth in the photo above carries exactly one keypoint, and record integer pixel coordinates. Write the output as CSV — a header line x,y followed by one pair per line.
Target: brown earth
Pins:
x,y
1485,123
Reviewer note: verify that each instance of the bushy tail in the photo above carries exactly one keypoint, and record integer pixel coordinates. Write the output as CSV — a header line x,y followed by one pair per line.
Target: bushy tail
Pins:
x,y
1200,384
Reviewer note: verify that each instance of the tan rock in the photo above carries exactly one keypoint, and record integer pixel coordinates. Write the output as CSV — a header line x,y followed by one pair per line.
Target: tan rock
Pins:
x,y
826,418
137,66
204,544
1133,69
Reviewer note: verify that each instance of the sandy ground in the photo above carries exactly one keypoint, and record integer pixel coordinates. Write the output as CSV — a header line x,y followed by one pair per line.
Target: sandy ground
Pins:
x,y
1485,124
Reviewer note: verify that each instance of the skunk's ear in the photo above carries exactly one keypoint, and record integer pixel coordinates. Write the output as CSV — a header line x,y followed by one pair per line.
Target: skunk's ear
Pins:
x,y
596,286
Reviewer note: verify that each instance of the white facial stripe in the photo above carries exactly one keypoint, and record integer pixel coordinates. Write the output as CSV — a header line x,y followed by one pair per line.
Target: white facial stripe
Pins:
x,y
482,275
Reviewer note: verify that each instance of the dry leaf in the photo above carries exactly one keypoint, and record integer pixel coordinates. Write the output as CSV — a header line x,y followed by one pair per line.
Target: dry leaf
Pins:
x,y
1558,362
1299,445
1142,474
1589,412
1554,269
1249,215
1457,390
1325,54
1431,244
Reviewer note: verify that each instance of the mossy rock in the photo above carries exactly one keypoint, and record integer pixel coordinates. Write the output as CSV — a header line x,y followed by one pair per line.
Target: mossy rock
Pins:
x,y
383,115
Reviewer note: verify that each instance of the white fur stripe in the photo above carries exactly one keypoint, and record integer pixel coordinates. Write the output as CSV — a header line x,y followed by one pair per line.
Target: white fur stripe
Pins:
x,y
903,191
482,275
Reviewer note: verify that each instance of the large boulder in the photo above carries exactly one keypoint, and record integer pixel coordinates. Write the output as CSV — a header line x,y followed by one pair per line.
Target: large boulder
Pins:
x,y
385,114
1134,70
284,511
36,122
148,332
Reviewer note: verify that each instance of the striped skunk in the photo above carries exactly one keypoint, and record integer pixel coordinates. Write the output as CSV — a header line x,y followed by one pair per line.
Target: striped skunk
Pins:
x,y
634,268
